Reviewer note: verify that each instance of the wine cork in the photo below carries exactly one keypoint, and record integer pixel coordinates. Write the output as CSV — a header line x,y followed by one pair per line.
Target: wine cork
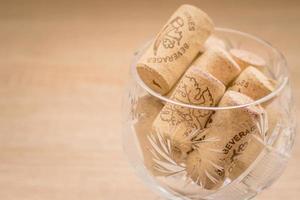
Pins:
x,y
180,124
256,85
218,63
174,48
253,83
255,145
146,110
246,58
255,148
225,138
212,42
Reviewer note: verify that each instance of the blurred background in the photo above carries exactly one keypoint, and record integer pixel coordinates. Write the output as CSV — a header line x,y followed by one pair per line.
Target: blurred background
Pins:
x,y
64,65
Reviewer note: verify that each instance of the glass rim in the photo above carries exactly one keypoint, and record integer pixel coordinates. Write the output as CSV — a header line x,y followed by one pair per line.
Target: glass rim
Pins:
x,y
266,98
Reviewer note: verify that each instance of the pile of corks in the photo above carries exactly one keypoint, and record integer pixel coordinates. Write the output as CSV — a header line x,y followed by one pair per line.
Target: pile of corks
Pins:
x,y
188,64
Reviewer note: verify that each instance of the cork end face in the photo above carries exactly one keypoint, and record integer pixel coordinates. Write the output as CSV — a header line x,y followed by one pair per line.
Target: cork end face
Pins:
x,y
246,58
153,79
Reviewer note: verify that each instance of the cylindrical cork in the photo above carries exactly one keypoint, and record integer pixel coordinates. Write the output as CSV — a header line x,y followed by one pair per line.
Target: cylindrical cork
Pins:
x,y
256,145
253,83
246,58
225,138
256,85
174,48
180,124
146,110
218,63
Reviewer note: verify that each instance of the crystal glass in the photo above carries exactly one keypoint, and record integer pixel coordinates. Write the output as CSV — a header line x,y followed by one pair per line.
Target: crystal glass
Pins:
x,y
153,158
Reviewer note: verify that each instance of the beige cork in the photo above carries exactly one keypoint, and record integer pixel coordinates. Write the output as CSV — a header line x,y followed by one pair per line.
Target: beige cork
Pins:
x,y
253,83
180,124
223,140
174,48
218,63
146,110
256,85
246,58
256,145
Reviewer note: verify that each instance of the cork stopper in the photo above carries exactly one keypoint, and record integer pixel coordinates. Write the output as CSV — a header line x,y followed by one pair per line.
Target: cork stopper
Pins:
x,y
218,63
256,85
223,141
180,124
253,83
256,145
174,48
246,58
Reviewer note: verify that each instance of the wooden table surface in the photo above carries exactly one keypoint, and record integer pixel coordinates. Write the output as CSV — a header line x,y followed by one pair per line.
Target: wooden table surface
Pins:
x,y
64,65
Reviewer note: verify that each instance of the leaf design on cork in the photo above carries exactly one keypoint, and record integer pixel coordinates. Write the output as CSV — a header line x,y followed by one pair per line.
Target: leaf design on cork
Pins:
x,y
176,114
170,35
188,91
205,96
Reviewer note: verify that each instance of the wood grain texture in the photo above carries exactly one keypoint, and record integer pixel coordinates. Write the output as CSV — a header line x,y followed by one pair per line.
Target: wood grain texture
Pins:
x,y
63,65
